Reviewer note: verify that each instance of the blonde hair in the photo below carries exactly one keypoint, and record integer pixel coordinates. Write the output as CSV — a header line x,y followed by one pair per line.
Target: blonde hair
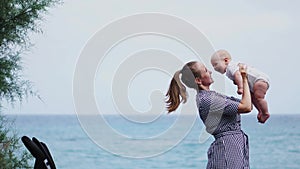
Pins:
x,y
177,91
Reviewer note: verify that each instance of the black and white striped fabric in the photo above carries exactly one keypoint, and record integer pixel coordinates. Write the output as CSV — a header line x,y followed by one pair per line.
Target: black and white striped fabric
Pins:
x,y
219,113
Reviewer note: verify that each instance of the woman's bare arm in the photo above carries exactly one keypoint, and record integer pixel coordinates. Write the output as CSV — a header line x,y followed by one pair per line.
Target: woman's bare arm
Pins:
x,y
238,80
245,105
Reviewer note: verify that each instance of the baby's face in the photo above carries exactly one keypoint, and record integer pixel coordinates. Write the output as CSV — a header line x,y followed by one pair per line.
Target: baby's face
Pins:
x,y
219,65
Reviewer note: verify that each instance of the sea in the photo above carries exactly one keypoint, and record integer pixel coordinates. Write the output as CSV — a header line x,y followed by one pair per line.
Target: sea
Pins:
x,y
273,145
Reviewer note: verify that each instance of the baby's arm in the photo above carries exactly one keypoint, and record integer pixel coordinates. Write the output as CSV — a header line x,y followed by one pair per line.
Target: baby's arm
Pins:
x,y
238,80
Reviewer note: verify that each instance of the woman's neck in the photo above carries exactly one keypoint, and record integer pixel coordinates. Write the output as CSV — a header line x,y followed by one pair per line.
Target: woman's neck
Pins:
x,y
201,87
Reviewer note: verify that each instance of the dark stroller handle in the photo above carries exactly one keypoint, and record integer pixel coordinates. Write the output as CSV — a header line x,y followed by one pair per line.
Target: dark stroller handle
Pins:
x,y
46,151
33,148
40,151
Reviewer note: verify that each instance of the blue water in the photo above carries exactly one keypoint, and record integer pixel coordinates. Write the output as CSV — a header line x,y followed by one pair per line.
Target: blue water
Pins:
x,y
272,145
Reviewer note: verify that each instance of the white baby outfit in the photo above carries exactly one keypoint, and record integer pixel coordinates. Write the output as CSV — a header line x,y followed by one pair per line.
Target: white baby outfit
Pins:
x,y
253,74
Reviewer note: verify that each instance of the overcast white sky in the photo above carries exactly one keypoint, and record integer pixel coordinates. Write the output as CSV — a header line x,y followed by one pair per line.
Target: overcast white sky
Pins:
x,y
263,34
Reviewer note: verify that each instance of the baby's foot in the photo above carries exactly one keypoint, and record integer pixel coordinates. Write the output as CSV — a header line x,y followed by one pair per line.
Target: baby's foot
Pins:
x,y
263,117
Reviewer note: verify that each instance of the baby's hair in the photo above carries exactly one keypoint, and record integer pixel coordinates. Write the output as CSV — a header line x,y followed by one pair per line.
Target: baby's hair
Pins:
x,y
221,54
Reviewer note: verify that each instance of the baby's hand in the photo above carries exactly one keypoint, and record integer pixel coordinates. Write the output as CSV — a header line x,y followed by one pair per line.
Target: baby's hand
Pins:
x,y
243,69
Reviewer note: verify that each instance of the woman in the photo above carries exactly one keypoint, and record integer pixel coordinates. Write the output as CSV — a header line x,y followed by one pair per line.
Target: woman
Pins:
x,y
219,113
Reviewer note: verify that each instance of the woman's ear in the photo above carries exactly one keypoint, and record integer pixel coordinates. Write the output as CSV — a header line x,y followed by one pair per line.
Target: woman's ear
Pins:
x,y
198,81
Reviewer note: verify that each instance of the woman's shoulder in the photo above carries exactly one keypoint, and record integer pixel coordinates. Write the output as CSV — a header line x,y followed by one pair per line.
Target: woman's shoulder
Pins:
x,y
205,94
202,93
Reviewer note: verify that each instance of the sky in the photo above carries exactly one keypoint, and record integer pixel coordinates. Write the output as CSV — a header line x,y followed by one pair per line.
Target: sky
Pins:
x,y
261,34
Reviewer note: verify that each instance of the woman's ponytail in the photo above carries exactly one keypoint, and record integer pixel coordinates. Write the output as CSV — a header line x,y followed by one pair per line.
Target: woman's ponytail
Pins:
x,y
176,90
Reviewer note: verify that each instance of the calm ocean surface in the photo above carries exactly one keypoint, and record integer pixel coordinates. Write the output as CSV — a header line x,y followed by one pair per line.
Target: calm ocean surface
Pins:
x,y
274,145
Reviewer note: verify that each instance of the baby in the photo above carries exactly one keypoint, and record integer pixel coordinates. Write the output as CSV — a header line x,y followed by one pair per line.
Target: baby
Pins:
x,y
258,81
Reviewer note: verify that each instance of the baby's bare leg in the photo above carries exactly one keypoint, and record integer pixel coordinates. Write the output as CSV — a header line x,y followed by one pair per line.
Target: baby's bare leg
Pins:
x,y
257,106
259,91
255,103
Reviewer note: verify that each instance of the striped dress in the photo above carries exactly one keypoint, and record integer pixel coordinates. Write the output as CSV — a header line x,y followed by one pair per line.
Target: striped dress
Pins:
x,y
219,113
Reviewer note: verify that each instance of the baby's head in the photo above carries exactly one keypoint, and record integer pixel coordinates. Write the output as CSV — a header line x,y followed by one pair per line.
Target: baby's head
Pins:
x,y
219,60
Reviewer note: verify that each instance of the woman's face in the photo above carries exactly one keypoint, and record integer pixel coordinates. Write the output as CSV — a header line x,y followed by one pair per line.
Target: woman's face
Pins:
x,y
205,74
